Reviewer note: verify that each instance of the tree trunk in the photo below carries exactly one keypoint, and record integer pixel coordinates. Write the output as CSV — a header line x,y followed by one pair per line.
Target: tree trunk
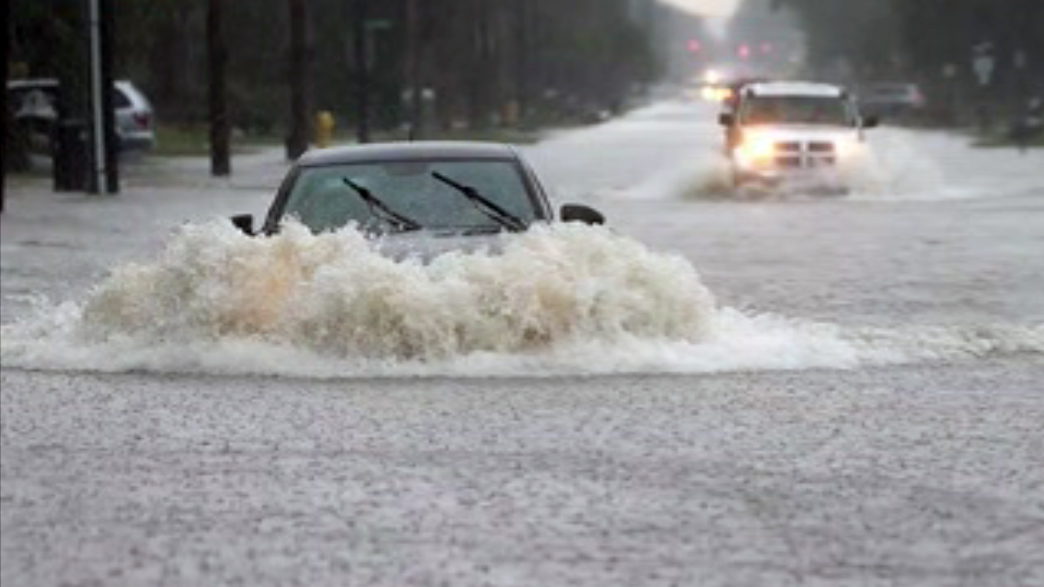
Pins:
x,y
217,58
4,156
300,79
480,92
413,43
362,73
521,58
112,148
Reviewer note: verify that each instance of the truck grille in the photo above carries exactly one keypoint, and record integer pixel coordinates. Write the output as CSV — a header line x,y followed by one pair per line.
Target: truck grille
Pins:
x,y
800,154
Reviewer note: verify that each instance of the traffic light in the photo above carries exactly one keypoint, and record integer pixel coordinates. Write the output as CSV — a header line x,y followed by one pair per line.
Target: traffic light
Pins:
x,y
694,46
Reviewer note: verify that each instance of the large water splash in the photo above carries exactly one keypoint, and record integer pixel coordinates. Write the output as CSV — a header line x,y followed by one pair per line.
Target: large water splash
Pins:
x,y
559,299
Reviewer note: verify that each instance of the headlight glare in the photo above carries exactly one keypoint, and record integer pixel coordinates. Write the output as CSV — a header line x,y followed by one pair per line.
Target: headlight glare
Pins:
x,y
755,150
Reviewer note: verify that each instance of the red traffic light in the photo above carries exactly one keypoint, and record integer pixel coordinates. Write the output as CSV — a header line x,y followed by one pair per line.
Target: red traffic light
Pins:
x,y
694,46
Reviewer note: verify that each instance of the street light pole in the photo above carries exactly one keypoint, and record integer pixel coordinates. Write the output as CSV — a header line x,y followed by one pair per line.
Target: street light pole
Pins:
x,y
99,173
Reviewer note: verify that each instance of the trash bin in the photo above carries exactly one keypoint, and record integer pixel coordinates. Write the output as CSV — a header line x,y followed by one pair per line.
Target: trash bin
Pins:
x,y
71,158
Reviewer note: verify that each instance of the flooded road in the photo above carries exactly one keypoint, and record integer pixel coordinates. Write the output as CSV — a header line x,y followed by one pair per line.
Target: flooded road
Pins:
x,y
717,391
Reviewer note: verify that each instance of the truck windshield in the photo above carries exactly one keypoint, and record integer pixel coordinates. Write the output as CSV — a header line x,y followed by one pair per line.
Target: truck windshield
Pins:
x,y
796,110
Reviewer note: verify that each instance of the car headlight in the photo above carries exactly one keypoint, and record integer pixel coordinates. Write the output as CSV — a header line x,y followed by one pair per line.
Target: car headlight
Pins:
x,y
755,151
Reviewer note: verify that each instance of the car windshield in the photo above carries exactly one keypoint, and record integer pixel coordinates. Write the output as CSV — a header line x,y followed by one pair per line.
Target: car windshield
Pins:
x,y
795,110
323,200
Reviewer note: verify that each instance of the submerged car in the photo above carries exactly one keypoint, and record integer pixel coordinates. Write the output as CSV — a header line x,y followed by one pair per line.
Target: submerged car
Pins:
x,y
420,198
793,133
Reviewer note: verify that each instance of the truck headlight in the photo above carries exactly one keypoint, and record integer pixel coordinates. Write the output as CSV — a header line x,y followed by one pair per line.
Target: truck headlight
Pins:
x,y
755,151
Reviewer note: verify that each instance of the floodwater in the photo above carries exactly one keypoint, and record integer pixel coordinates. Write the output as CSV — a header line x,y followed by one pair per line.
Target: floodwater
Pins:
x,y
714,390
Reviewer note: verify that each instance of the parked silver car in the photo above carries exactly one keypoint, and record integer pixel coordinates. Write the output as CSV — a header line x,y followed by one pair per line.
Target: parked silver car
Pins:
x,y
34,104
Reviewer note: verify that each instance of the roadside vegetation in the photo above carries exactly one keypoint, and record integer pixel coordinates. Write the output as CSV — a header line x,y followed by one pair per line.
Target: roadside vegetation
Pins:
x,y
480,64
936,44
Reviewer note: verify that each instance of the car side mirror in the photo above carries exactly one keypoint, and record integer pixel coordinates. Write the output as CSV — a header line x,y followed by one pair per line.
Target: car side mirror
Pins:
x,y
726,119
245,223
871,121
581,213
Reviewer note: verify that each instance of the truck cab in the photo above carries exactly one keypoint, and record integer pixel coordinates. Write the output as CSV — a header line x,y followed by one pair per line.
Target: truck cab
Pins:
x,y
793,132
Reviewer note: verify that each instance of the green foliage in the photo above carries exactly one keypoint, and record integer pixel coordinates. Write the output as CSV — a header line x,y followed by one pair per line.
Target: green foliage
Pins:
x,y
477,54
919,37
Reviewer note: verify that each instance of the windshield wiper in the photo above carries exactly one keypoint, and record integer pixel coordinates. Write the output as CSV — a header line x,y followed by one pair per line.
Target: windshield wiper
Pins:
x,y
381,210
483,204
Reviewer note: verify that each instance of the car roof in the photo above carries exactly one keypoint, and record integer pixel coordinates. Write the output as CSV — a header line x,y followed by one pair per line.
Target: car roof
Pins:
x,y
794,89
408,151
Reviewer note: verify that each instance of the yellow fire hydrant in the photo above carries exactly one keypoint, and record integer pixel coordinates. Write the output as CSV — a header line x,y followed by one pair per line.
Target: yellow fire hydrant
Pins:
x,y
324,127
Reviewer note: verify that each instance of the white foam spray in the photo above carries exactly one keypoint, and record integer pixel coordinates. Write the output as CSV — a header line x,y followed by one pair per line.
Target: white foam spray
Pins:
x,y
557,300
891,166
897,165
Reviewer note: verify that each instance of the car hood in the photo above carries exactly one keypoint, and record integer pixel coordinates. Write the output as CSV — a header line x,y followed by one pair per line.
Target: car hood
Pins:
x,y
426,245
802,132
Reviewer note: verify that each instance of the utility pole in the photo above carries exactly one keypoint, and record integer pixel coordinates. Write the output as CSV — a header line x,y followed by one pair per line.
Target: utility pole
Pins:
x,y
103,176
300,79
362,74
217,58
